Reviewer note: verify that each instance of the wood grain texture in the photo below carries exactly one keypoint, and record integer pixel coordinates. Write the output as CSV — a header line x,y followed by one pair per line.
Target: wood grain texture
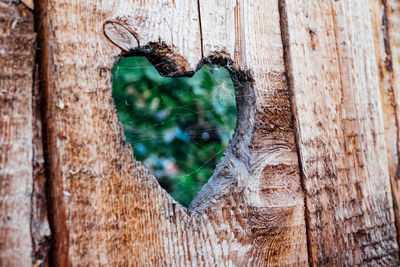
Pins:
x,y
392,9
385,18
393,17
106,208
251,36
341,135
17,52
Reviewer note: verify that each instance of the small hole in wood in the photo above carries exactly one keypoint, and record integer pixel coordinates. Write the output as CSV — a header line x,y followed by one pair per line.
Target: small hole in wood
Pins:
x,y
178,127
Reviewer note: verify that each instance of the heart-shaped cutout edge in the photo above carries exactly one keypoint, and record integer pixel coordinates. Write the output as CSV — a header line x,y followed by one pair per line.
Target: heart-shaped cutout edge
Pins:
x,y
234,167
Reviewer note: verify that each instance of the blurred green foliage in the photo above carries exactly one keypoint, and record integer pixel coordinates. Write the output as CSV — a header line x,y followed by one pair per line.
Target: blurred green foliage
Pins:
x,y
178,127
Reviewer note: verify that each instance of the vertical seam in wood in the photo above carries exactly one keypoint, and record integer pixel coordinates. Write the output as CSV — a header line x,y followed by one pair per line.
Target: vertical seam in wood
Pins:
x,y
43,59
284,29
201,30
284,25
34,77
38,24
388,52
32,159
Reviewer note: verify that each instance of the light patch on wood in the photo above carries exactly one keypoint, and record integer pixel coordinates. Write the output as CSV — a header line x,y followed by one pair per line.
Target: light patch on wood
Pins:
x,y
28,3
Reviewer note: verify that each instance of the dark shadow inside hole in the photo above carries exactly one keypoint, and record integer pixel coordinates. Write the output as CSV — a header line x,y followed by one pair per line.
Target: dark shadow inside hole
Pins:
x,y
178,127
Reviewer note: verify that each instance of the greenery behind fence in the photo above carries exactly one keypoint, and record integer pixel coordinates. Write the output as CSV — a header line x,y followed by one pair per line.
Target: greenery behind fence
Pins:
x,y
178,127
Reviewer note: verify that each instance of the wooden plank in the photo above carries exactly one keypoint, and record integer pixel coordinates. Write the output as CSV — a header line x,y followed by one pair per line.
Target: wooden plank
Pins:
x,y
249,33
385,18
17,53
106,208
341,137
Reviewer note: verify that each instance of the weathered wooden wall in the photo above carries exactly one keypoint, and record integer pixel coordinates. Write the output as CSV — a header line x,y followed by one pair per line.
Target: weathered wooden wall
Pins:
x,y
106,208
310,176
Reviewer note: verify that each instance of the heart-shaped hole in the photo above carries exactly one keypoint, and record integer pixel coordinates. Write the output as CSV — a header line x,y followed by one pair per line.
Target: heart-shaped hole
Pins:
x,y
178,127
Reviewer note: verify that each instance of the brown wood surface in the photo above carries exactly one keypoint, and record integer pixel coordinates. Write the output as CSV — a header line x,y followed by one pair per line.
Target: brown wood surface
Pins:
x,y
309,174
385,16
340,131
17,53
107,209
